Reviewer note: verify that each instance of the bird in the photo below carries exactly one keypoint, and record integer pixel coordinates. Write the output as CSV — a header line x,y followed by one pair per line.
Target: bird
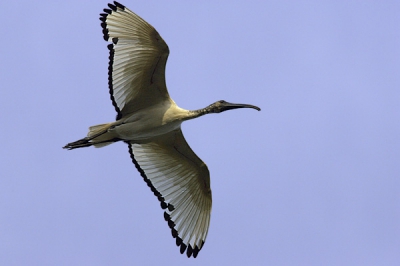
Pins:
x,y
149,122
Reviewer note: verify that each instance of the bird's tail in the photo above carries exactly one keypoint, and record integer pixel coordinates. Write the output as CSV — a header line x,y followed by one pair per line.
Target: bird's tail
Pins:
x,y
98,136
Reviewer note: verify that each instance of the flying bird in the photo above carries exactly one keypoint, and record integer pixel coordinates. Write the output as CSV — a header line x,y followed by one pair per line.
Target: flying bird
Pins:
x,y
149,121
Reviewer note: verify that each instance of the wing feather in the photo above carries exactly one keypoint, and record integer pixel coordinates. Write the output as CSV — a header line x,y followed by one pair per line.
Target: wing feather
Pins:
x,y
138,56
181,182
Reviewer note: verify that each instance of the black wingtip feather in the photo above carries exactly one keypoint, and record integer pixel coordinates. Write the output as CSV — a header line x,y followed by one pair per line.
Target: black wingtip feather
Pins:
x,y
160,198
113,8
171,224
108,11
105,35
189,251
171,207
110,79
119,5
183,248
195,252
103,25
174,233
167,217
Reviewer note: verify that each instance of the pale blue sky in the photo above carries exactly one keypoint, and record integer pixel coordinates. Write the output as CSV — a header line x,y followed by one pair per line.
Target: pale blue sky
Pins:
x,y
312,179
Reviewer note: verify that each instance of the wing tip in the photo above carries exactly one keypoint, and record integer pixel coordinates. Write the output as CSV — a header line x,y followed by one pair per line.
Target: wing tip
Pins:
x,y
196,252
182,248
190,251
113,8
103,17
107,11
117,4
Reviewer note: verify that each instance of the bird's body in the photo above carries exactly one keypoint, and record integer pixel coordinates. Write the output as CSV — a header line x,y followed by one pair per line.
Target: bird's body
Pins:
x,y
149,121
146,123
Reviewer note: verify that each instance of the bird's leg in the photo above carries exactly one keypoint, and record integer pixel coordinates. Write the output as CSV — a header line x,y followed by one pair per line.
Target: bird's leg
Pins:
x,y
78,144
85,142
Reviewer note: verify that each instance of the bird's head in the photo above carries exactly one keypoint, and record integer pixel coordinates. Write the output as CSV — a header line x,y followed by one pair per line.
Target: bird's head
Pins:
x,y
221,106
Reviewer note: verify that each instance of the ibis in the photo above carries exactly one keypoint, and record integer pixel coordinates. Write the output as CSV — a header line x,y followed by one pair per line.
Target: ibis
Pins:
x,y
149,121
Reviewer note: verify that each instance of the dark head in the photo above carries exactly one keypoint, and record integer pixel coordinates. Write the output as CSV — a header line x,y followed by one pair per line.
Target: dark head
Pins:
x,y
222,106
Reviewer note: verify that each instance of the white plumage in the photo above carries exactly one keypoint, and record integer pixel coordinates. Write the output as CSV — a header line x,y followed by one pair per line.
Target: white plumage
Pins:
x,y
149,121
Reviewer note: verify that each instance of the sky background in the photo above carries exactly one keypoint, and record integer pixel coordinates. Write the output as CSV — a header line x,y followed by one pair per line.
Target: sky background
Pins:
x,y
312,179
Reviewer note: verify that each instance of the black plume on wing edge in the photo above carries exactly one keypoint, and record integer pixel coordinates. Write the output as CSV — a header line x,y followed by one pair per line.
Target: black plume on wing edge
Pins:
x,y
179,242
103,18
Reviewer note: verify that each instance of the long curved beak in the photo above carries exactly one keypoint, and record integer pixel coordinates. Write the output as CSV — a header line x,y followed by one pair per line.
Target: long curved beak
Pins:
x,y
229,106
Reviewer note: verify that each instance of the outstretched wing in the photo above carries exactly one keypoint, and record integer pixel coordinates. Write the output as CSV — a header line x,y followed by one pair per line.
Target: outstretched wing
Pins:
x,y
138,56
181,182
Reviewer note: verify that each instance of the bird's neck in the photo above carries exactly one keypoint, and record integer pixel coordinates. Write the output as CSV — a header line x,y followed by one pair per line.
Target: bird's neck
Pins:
x,y
199,112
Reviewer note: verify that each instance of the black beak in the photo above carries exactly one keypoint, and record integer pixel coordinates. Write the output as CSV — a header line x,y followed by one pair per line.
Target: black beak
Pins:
x,y
229,106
